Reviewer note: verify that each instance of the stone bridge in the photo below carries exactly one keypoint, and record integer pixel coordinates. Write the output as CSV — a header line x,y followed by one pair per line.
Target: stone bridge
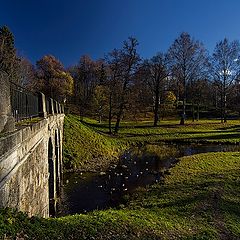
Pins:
x,y
30,152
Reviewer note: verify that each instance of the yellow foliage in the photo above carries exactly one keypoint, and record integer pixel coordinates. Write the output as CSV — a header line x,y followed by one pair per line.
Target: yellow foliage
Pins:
x,y
170,97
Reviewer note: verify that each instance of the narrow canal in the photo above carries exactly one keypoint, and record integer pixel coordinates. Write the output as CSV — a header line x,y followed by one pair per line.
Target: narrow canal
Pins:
x,y
139,167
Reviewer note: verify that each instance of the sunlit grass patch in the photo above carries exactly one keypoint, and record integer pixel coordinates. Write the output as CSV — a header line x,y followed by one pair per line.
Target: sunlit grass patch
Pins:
x,y
87,149
168,130
199,200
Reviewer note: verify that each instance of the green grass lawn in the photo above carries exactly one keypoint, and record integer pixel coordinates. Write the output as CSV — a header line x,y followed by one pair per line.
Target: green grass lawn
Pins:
x,y
88,146
199,200
86,149
171,130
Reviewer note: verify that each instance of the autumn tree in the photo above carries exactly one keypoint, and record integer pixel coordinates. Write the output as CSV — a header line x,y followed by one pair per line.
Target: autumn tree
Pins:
x,y
100,95
85,75
188,61
52,79
9,62
225,65
100,100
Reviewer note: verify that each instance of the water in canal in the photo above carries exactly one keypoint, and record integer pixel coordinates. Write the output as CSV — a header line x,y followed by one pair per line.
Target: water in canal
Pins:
x,y
139,167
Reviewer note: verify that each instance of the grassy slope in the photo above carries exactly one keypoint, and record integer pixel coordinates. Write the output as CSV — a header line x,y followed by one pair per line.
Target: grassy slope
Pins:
x,y
86,149
87,146
199,200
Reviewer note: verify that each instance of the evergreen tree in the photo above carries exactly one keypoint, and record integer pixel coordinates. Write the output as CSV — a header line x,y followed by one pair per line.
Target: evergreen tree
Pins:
x,y
9,62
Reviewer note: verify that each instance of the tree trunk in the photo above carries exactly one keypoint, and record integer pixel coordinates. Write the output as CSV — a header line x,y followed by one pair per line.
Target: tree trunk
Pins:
x,y
162,110
193,112
122,103
182,121
224,97
224,106
221,105
156,108
110,114
198,112
81,113
119,115
100,114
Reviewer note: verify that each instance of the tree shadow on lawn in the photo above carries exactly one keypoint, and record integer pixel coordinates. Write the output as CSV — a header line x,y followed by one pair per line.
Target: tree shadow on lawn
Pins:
x,y
95,125
215,136
136,126
235,128
132,135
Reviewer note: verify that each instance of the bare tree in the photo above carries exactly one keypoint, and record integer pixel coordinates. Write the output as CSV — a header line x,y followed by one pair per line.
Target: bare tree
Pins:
x,y
156,74
141,94
200,95
112,81
129,60
187,60
225,65
27,74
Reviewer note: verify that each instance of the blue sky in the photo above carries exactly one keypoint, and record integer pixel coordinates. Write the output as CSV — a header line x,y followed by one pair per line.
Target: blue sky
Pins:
x,y
69,29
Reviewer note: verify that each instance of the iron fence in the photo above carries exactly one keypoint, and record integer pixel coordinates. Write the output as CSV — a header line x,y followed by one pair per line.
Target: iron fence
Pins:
x,y
48,106
24,102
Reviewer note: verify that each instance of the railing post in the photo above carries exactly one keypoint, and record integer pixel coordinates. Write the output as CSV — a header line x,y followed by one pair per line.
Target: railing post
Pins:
x,y
42,105
6,119
52,106
59,108
56,106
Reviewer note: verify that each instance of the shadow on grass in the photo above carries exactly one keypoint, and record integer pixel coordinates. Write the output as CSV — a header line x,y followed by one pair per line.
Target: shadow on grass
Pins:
x,y
232,128
175,135
95,125
227,132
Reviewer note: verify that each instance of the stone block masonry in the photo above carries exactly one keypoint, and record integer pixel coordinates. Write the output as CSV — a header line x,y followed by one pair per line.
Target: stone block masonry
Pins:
x,y
30,166
30,155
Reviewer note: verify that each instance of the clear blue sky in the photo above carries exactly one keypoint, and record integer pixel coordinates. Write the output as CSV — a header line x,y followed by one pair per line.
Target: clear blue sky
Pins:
x,y
69,29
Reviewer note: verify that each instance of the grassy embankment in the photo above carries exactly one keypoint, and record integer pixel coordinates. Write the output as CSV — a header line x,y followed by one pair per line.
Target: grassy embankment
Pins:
x,y
199,200
87,146
86,149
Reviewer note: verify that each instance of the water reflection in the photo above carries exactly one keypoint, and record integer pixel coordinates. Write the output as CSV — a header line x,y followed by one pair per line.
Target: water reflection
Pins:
x,y
83,192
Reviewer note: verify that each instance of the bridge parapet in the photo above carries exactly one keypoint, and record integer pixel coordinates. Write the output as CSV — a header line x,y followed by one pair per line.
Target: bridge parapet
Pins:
x,y
31,154
26,104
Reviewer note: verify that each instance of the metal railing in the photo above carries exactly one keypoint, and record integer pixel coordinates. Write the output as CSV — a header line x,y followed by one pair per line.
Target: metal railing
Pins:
x,y
48,106
27,104
24,102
